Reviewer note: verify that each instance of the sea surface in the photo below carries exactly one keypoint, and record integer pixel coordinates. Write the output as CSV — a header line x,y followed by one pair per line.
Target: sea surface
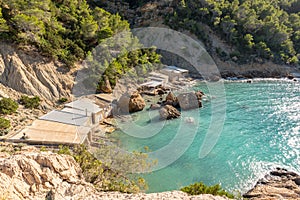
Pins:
x,y
243,131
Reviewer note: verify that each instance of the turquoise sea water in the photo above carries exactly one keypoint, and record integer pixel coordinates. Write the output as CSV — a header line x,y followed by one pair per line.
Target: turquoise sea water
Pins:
x,y
261,131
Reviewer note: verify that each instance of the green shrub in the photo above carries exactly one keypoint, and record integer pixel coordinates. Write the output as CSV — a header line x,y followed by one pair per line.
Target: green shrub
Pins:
x,y
43,148
62,100
64,150
201,188
102,173
8,106
28,102
4,125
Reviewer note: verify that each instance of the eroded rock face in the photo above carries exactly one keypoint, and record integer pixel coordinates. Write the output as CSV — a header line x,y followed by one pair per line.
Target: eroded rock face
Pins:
x,y
31,174
279,184
129,103
169,112
32,74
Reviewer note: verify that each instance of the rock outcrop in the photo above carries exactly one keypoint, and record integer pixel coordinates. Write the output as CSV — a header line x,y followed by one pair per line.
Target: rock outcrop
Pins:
x,y
129,103
152,91
171,100
34,175
169,112
279,184
190,100
184,101
106,87
30,73
31,174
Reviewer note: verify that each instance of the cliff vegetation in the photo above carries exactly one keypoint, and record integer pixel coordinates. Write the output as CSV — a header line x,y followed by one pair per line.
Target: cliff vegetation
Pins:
x,y
259,29
68,31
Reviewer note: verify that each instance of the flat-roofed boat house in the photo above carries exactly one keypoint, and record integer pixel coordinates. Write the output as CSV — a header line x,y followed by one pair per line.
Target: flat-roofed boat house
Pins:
x,y
72,125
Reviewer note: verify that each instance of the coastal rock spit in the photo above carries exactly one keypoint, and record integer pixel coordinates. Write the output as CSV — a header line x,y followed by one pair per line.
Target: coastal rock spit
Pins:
x,y
278,184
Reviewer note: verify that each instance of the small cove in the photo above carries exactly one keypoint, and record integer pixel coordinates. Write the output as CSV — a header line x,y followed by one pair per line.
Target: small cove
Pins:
x,y
261,131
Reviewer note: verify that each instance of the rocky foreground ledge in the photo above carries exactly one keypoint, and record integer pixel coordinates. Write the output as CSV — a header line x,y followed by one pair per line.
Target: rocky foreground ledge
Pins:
x,y
279,184
34,174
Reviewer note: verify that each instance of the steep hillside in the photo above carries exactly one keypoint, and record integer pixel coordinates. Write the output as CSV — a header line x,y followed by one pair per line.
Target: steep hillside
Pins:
x,y
258,30
30,73
239,32
69,32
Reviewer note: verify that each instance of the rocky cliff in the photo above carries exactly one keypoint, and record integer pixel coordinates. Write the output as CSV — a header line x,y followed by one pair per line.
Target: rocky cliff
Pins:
x,y
32,174
28,72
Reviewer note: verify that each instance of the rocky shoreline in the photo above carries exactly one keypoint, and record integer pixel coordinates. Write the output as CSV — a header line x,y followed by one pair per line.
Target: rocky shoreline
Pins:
x,y
29,173
278,184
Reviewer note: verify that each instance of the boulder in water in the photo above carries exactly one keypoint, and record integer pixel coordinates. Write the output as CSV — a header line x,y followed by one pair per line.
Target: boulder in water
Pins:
x,y
189,120
169,112
190,100
171,99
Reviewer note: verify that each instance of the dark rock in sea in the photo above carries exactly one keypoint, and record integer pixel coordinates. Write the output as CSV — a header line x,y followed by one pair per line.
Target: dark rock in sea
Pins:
x,y
282,172
169,112
290,76
279,184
